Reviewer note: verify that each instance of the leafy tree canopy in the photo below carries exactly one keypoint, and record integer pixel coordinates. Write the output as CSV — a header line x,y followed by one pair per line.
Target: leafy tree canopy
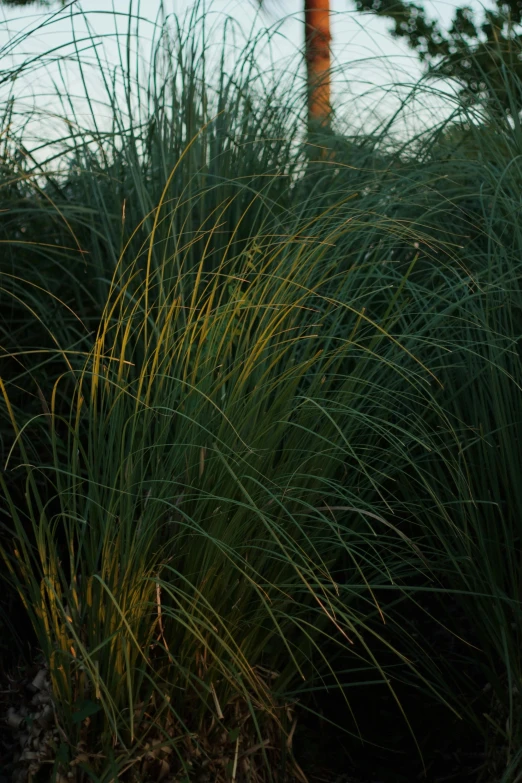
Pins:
x,y
484,56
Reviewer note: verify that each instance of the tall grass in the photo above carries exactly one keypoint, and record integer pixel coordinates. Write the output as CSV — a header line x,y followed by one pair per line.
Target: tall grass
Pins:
x,y
250,401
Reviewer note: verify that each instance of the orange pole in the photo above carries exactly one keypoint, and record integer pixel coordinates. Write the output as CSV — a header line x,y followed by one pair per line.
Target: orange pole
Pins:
x,y
317,47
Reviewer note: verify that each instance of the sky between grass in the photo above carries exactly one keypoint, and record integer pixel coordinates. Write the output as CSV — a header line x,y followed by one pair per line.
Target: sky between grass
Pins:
x,y
366,59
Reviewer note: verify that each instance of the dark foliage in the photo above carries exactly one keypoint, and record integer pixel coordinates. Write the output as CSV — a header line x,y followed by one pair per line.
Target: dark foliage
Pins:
x,y
477,54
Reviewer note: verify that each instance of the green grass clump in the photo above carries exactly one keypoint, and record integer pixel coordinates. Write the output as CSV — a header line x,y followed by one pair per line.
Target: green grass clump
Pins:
x,y
222,456
260,399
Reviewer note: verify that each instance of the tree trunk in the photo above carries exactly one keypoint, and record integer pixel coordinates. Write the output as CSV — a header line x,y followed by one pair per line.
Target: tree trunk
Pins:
x,y
317,47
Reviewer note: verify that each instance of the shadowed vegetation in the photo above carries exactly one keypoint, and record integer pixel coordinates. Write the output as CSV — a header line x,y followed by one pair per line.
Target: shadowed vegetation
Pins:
x,y
260,401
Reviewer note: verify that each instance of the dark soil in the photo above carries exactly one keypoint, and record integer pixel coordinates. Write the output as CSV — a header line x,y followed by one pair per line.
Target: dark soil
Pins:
x,y
324,742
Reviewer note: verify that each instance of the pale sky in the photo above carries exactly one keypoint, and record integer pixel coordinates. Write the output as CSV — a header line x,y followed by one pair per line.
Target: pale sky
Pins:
x,y
363,52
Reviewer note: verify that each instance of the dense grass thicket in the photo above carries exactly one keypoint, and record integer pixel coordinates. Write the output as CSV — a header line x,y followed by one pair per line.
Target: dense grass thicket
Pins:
x,y
259,429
